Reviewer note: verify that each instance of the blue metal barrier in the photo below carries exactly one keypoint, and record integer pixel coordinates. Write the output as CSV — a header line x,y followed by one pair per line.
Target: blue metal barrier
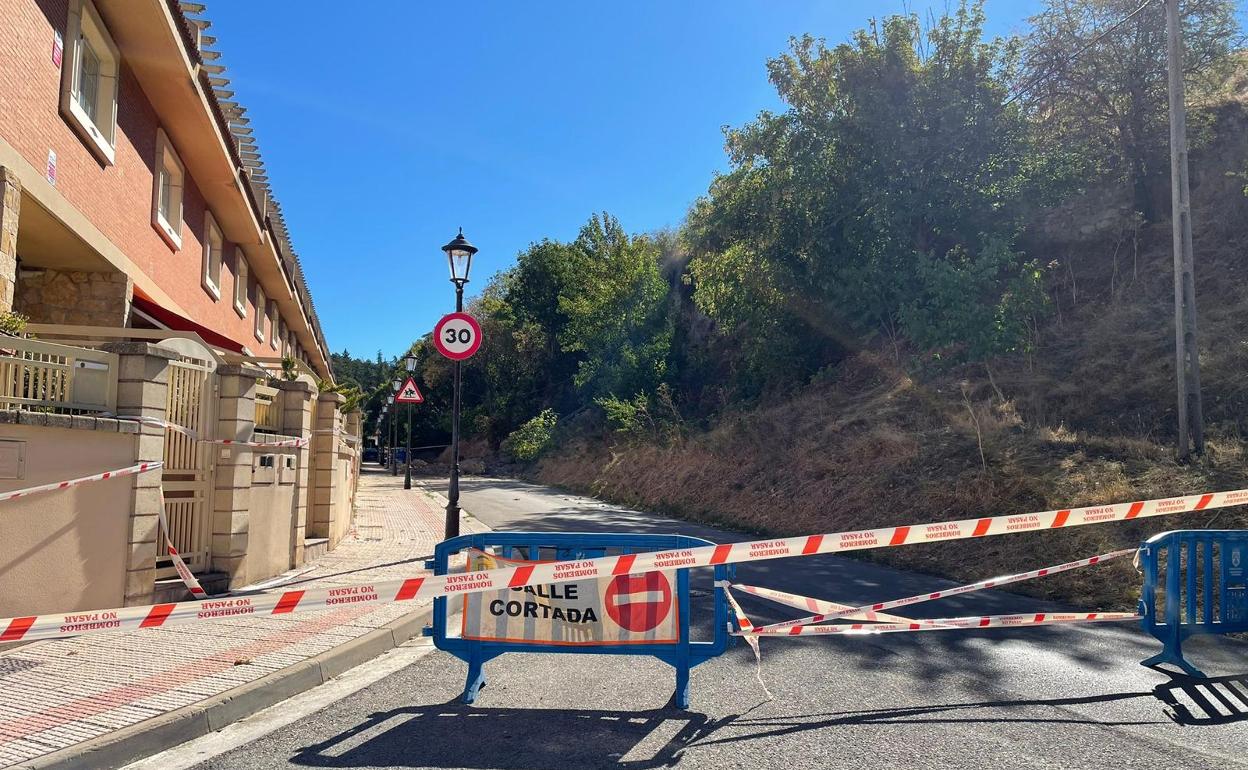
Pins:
x,y
682,655
1203,591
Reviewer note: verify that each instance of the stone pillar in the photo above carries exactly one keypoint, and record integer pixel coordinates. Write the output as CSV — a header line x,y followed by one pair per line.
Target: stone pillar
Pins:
x,y
353,427
297,398
231,494
325,466
142,391
351,423
10,207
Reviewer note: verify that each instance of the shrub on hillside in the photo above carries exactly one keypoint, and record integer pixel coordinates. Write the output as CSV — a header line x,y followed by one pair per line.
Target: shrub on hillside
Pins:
x,y
626,415
528,441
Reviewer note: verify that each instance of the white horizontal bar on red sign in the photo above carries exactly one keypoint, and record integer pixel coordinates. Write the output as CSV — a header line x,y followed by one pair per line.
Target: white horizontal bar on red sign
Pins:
x,y
948,624
565,571
133,469
966,589
807,603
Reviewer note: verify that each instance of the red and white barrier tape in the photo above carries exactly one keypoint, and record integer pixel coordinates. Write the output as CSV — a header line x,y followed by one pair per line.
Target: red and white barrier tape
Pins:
x,y
339,432
966,589
294,442
191,583
47,626
194,435
807,603
744,624
133,469
158,615
184,572
946,624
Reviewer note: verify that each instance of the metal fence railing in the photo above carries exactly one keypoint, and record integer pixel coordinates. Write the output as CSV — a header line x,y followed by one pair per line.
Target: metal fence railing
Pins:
x,y
45,376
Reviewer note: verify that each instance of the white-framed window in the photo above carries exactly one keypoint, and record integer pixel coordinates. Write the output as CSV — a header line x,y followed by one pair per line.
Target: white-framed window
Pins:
x,y
274,336
89,75
214,244
240,282
167,185
261,306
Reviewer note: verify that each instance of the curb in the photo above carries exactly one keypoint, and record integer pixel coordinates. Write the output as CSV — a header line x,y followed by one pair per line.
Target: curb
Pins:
x,y
119,748
464,515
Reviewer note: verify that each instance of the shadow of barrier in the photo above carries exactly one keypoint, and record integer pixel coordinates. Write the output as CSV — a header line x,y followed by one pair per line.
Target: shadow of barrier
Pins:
x,y
1203,591
1209,701
622,614
455,735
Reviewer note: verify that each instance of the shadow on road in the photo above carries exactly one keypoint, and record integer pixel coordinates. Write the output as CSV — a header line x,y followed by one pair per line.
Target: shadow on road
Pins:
x,y
950,713
1214,701
459,736
454,735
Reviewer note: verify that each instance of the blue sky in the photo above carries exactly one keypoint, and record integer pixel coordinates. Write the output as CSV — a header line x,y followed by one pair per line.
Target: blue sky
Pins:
x,y
385,130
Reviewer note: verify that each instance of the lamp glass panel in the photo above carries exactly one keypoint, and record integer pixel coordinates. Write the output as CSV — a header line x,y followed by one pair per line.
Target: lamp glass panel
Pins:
x,y
461,264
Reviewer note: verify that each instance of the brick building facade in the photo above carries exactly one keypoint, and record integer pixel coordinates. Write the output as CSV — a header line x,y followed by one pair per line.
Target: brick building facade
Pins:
x,y
133,194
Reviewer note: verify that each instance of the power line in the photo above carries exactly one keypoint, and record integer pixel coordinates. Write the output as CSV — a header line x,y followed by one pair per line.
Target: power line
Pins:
x,y
1106,33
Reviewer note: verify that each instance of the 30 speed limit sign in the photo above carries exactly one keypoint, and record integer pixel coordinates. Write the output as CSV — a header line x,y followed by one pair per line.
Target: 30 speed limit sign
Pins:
x,y
457,336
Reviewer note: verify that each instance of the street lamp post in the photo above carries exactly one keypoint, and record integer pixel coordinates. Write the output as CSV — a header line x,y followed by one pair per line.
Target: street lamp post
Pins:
x,y
410,361
394,435
459,256
383,435
396,386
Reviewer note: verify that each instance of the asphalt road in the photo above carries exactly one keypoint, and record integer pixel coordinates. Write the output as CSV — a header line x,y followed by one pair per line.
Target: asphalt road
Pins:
x,y
1068,697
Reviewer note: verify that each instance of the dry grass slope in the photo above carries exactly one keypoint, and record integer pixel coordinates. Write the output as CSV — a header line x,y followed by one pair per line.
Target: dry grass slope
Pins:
x,y
1086,419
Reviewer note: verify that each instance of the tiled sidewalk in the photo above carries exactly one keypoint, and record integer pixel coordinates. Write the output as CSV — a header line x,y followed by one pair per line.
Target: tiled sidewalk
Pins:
x,y
57,694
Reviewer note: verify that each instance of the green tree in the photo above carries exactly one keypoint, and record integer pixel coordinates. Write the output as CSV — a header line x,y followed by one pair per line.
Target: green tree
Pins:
x,y
615,311
1103,94
877,200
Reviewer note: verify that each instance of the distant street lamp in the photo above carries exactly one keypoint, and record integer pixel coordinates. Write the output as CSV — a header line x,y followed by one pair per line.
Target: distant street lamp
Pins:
x,y
381,428
410,363
459,256
394,429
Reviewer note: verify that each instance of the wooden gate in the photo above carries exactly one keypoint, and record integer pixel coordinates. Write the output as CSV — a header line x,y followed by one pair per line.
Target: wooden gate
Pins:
x,y
188,472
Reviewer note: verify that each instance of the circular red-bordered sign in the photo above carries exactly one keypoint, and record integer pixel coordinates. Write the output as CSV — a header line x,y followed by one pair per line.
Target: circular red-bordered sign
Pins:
x,y
457,336
639,603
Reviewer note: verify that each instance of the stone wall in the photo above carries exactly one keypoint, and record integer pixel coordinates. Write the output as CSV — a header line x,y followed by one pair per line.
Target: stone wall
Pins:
x,y
74,297
10,208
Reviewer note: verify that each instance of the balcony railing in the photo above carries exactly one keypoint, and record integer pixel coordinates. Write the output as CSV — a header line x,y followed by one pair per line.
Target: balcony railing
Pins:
x,y
44,376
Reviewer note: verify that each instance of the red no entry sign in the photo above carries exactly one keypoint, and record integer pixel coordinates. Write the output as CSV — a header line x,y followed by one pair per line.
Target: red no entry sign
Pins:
x,y
639,603
457,336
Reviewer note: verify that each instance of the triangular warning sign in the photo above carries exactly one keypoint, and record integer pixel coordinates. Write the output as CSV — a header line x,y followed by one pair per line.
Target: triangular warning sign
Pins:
x,y
409,393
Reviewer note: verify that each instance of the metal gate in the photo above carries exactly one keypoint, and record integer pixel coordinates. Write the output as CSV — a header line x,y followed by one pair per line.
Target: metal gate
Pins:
x,y
187,475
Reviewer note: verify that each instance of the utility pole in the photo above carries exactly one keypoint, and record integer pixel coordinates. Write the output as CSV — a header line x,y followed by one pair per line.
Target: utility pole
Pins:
x,y
1187,355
